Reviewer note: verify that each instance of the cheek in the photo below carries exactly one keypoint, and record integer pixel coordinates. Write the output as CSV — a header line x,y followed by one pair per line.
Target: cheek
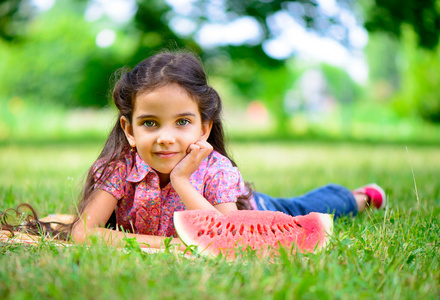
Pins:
x,y
190,136
188,141
145,142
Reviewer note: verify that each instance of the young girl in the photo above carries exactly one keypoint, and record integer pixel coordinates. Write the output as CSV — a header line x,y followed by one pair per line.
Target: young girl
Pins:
x,y
166,153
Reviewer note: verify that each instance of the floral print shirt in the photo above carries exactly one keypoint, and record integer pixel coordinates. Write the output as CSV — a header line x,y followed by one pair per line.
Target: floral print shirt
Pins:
x,y
144,208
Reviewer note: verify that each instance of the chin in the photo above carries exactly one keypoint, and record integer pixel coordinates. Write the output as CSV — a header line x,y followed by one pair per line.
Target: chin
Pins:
x,y
164,171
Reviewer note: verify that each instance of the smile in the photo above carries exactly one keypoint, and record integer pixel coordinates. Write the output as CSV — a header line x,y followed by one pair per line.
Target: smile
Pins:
x,y
166,154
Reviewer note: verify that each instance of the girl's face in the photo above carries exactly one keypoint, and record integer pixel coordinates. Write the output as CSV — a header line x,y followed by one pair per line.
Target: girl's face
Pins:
x,y
165,122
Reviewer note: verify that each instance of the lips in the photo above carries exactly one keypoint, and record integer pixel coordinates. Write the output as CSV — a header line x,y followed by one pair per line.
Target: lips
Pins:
x,y
165,154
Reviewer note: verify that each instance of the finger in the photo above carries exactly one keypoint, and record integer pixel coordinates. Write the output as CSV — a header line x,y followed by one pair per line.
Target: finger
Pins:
x,y
205,146
192,148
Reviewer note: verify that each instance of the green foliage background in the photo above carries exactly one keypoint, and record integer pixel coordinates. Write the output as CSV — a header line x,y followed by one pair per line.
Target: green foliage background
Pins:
x,y
51,57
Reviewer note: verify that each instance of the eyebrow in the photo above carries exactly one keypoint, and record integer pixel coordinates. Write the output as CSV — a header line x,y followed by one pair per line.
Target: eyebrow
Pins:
x,y
185,114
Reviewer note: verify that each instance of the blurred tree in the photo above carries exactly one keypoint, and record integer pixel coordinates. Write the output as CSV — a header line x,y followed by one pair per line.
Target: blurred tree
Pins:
x,y
306,12
12,15
419,94
47,61
382,54
151,23
147,34
422,16
406,33
54,55
382,15
15,15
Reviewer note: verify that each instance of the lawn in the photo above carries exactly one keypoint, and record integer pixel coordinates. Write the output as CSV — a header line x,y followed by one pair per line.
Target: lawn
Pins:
x,y
389,254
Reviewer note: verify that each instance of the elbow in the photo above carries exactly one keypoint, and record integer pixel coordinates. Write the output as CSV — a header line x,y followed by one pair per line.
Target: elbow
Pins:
x,y
78,234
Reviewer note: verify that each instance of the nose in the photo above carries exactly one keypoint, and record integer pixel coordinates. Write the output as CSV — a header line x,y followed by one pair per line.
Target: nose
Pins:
x,y
166,137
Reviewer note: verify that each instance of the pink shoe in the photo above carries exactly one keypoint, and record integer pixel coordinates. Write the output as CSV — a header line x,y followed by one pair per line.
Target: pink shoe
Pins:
x,y
377,195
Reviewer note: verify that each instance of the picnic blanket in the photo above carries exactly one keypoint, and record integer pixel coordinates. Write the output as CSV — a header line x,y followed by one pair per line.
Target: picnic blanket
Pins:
x,y
6,237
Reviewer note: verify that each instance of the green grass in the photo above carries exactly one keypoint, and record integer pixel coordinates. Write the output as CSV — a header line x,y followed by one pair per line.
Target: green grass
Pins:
x,y
389,254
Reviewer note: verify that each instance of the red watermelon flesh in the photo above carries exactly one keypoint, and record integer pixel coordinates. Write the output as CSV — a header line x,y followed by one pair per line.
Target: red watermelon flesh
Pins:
x,y
263,231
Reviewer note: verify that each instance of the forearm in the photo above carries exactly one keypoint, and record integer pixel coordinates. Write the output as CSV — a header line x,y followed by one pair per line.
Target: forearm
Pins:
x,y
190,196
115,238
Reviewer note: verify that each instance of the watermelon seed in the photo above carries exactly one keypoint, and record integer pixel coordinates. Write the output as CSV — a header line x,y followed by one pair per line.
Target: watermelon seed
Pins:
x,y
287,228
298,224
233,230
241,229
252,229
280,228
260,232
218,224
210,233
219,231
201,232
227,225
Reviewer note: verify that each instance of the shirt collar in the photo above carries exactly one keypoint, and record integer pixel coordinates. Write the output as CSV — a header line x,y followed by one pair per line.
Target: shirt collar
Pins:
x,y
139,170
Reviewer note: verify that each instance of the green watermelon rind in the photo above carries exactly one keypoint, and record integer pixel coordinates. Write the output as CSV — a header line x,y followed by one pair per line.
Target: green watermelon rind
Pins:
x,y
326,221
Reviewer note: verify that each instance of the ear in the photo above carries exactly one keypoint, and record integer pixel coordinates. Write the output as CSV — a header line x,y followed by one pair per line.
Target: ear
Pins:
x,y
206,130
128,130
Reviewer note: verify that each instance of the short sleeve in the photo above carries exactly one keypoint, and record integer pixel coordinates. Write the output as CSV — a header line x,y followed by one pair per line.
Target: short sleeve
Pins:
x,y
224,183
113,179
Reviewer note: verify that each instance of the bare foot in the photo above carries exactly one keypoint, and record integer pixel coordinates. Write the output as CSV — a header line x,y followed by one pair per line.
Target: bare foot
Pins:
x,y
362,201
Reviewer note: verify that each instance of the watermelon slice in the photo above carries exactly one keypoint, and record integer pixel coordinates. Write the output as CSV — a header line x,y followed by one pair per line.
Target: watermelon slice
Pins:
x,y
263,231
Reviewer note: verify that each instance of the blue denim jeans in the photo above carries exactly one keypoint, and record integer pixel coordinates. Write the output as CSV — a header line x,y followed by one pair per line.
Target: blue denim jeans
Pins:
x,y
332,198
